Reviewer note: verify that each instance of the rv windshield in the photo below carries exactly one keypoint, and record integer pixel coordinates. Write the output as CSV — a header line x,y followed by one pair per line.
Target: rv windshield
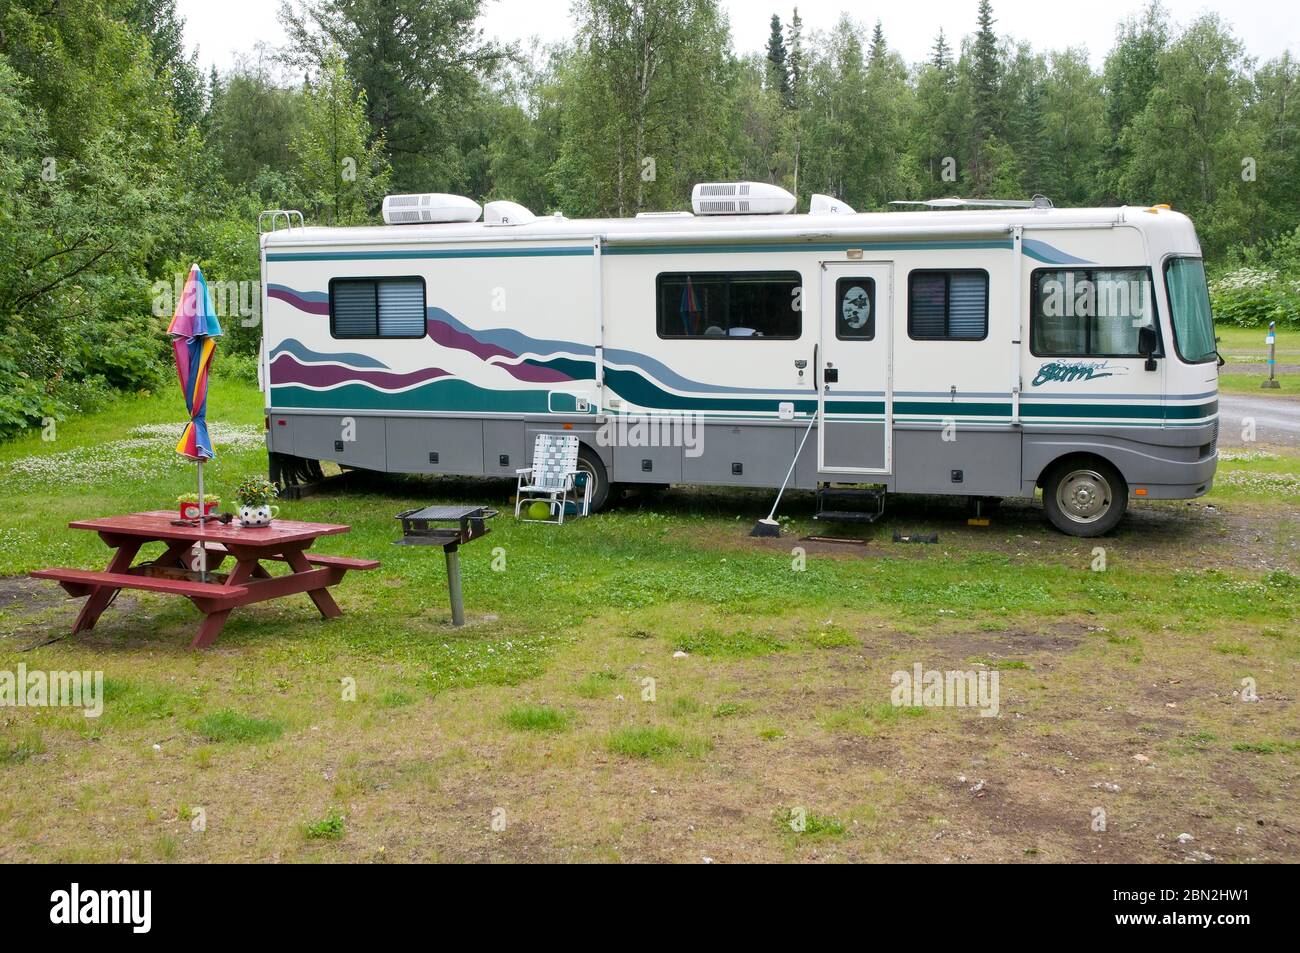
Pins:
x,y
1189,307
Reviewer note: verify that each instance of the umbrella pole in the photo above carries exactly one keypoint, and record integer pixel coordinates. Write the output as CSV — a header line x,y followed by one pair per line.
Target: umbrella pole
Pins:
x,y
203,553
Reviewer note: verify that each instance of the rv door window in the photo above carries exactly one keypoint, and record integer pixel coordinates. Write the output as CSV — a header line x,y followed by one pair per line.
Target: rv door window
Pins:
x,y
948,305
855,309
1090,312
377,308
742,304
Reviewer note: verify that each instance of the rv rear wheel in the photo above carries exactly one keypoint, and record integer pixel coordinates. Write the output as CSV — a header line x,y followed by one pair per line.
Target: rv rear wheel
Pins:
x,y
589,463
1084,497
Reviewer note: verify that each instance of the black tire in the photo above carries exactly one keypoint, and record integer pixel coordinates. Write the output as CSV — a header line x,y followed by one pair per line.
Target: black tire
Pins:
x,y
589,463
287,471
1084,496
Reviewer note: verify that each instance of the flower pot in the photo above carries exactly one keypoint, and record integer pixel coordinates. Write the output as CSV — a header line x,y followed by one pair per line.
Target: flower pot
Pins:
x,y
190,510
260,515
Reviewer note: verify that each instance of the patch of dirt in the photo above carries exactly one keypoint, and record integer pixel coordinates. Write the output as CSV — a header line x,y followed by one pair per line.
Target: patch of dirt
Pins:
x,y
38,610
1188,532
22,595
1009,644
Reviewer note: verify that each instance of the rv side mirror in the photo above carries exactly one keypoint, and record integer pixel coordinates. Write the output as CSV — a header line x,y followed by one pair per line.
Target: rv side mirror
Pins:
x,y
1147,344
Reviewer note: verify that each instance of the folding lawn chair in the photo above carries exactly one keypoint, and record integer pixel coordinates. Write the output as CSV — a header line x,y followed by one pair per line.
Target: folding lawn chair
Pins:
x,y
553,478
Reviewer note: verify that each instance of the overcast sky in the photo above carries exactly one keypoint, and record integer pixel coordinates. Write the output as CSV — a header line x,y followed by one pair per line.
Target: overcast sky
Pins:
x,y
1266,27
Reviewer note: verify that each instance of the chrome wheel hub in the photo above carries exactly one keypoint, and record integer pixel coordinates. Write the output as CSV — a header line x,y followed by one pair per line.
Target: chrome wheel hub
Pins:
x,y
1083,496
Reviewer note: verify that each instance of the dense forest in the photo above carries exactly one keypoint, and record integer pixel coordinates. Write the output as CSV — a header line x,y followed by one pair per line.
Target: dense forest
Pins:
x,y
121,163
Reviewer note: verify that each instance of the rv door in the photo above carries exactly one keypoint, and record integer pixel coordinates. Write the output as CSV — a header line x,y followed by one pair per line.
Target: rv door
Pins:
x,y
855,388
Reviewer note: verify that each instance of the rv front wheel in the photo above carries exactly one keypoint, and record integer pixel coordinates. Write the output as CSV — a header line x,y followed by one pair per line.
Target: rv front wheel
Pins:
x,y
589,463
1084,497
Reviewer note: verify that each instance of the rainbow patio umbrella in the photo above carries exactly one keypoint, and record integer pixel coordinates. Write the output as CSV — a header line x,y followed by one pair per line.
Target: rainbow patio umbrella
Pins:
x,y
194,330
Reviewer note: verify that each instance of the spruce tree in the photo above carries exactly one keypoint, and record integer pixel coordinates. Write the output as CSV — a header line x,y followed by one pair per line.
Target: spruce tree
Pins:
x,y
778,76
794,57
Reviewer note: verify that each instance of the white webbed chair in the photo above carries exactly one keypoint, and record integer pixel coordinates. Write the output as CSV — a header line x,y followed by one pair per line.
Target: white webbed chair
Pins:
x,y
554,478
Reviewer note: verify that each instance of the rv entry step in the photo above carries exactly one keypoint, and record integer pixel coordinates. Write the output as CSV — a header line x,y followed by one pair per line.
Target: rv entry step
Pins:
x,y
850,504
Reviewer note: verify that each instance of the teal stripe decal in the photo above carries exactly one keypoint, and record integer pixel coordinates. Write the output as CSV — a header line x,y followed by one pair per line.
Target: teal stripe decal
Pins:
x,y
452,394
445,394
759,246
1154,411
963,409
443,253
715,249
1095,411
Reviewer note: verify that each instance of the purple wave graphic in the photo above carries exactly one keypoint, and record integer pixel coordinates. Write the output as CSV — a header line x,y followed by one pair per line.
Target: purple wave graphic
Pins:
x,y
533,373
286,370
448,336
312,302
445,330
509,340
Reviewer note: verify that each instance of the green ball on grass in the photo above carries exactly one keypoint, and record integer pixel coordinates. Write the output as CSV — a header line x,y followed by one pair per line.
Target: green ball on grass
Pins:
x,y
537,510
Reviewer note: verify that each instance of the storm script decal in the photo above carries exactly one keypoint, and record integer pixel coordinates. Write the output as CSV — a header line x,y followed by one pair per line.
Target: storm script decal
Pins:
x,y
1067,372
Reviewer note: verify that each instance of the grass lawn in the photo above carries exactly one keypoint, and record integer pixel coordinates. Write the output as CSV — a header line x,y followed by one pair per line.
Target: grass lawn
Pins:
x,y
1247,355
652,684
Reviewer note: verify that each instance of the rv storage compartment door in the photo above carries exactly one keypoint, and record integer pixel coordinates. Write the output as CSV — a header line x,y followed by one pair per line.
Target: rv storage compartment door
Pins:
x,y
350,440
435,445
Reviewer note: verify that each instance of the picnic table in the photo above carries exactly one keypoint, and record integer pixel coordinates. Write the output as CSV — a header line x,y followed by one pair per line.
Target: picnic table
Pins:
x,y
214,592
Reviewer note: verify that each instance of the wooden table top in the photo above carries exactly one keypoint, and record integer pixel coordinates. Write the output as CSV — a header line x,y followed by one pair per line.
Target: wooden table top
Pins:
x,y
157,524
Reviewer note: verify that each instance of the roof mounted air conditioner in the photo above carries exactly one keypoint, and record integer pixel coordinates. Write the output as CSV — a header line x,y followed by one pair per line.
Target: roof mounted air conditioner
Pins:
x,y
740,198
429,208
506,213
821,204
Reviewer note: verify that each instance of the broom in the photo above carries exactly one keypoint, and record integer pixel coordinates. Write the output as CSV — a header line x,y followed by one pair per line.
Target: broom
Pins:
x,y
769,526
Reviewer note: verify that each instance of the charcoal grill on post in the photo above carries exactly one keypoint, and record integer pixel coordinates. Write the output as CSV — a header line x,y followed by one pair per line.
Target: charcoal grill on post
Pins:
x,y
448,527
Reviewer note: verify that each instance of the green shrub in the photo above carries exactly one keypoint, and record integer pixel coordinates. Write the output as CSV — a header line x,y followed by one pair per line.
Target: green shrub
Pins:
x,y
236,367
1263,285
1252,297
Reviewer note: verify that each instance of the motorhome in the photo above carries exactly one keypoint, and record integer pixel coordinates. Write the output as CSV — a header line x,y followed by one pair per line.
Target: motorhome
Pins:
x,y
980,351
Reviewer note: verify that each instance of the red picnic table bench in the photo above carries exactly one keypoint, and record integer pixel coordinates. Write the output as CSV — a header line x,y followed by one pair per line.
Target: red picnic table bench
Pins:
x,y
215,593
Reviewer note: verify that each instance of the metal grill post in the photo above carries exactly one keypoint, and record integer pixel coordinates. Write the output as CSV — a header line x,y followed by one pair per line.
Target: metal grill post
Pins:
x,y
453,584
419,528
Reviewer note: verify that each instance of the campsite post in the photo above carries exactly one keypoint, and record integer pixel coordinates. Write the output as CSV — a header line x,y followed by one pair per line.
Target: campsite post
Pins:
x,y
1270,383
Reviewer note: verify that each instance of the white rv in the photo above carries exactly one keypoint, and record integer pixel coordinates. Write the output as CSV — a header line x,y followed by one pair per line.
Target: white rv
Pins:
x,y
983,352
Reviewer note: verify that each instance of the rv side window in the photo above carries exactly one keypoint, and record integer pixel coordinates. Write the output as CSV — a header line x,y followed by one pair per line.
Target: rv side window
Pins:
x,y
948,305
1089,312
377,308
741,304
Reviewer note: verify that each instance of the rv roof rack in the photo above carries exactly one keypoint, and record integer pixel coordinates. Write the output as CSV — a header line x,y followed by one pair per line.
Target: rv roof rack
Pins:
x,y
274,216
1038,201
